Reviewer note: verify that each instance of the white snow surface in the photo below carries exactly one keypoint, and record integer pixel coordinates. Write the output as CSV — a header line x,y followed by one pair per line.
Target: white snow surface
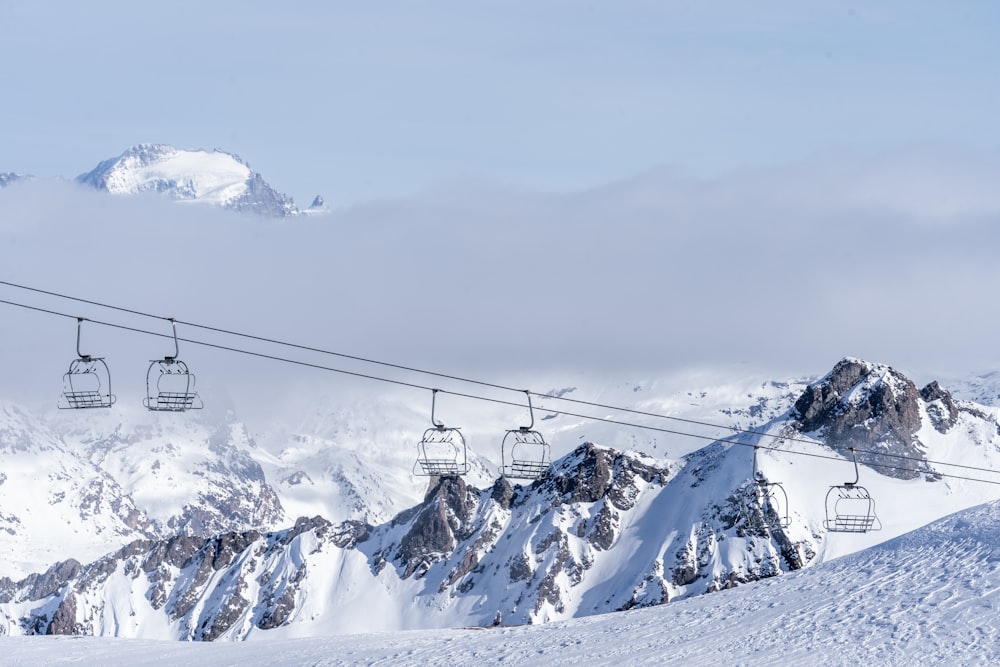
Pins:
x,y
928,597
213,177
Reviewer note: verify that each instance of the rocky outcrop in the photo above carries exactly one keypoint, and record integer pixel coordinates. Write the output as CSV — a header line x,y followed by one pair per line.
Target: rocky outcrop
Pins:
x,y
941,407
441,522
871,408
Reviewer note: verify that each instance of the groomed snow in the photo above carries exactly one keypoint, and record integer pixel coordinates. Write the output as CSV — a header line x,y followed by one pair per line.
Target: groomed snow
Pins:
x,y
928,597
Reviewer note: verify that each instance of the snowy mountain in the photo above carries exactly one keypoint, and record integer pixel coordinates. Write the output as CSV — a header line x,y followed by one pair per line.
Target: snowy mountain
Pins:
x,y
607,530
927,597
212,177
8,177
317,207
77,485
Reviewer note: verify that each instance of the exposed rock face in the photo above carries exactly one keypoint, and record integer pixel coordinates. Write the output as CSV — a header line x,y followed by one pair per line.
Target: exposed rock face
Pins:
x,y
262,199
941,407
872,408
442,521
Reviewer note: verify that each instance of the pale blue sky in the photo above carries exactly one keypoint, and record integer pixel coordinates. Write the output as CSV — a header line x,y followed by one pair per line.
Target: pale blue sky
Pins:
x,y
359,101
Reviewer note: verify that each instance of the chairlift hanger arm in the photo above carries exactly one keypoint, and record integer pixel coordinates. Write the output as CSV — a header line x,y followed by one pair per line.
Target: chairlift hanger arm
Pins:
x,y
79,327
437,424
531,412
857,475
177,348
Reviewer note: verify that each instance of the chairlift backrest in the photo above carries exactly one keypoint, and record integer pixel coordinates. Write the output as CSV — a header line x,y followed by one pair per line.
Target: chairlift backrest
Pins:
x,y
442,450
770,497
524,453
170,385
849,506
87,383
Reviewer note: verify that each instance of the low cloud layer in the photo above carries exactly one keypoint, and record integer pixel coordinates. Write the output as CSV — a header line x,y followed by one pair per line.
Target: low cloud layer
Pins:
x,y
783,270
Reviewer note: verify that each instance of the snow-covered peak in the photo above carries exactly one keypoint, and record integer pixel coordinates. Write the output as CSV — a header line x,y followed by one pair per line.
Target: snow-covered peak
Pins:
x,y
212,177
318,206
9,177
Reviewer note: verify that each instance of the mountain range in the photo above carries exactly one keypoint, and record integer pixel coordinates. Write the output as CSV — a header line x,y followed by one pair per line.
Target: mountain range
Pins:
x,y
925,598
203,555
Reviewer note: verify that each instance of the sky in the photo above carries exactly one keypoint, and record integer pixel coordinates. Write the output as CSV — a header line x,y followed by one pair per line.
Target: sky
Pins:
x,y
523,190
363,101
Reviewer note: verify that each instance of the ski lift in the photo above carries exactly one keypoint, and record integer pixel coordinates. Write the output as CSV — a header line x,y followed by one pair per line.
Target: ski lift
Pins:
x,y
770,497
169,383
442,450
524,452
849,507
87,383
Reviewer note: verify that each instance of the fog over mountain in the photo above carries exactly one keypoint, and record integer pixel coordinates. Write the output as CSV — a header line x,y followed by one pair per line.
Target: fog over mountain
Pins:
x,y
785,269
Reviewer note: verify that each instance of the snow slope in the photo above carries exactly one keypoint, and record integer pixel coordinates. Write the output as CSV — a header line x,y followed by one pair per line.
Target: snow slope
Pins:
x,y
928,597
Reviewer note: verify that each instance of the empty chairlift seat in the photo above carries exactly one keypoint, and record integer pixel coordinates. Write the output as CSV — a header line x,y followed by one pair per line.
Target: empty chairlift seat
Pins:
x,y
442,450
768,498
170,384
87,383
849,507
524,452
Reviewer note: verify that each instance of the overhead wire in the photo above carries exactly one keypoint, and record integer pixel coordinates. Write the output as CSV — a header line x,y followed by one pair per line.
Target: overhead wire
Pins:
x,y
493,385
781,438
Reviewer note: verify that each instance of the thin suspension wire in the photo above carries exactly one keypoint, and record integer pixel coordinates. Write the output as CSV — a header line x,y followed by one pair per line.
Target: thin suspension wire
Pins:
x,y
607,420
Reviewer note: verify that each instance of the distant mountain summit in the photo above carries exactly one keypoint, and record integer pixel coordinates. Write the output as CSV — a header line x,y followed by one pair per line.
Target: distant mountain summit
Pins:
x,y
212,177
9,177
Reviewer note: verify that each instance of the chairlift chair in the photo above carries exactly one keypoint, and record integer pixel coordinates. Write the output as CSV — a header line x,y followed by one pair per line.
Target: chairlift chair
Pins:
x,y
770,497
170,385
442,450
849,507
524,452
87,383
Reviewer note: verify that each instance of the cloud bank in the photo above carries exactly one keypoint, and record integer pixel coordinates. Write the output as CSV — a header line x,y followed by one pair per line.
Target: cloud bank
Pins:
x,y
783,270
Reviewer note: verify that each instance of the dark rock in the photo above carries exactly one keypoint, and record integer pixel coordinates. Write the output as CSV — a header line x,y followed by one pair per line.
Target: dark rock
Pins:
x,y
441,520
8,589
519,568
588,476
503,492
349,533
319,524
941,407
605,529
873,409
177,552
64,619
50,582
278,611
591,472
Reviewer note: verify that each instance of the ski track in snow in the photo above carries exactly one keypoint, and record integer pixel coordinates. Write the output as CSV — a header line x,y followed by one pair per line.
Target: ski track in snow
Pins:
x,y
928,597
